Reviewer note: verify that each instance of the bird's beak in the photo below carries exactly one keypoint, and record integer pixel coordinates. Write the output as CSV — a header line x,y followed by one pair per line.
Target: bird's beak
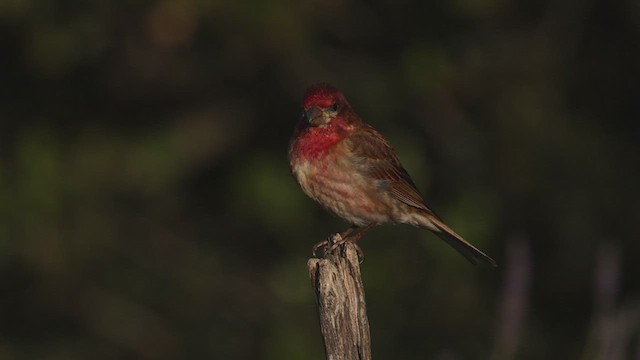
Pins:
x,y
315,116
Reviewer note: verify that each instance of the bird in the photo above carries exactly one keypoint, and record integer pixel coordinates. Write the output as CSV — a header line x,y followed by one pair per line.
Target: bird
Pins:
x,y
352,171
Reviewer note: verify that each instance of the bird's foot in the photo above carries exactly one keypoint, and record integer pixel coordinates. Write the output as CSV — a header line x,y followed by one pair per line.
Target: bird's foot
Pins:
x,y
337,240
330,244
322,244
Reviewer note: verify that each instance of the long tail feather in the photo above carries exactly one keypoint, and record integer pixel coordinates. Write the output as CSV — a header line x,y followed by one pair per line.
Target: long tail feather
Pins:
x,y
472,253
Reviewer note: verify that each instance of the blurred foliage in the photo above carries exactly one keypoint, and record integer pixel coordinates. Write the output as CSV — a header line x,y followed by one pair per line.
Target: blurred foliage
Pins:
x,y
146,210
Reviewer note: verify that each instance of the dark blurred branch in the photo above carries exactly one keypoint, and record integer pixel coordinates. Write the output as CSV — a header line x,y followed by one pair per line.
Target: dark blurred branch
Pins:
x,y
515,299
341,305
612,326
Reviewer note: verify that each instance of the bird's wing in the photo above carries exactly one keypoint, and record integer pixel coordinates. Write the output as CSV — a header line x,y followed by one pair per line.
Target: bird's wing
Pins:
x,y
374,157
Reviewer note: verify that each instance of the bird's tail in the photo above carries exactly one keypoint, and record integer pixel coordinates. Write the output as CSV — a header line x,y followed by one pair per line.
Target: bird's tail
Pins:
x,y
472,253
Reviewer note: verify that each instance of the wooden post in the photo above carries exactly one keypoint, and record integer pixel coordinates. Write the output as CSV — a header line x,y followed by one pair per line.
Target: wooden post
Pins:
x,y
340,302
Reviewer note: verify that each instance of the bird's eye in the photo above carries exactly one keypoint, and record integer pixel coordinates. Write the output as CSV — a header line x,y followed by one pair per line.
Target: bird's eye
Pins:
x,y
334,106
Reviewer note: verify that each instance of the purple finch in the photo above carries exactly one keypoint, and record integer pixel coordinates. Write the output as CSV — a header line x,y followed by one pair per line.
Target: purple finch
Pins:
x,y
350,169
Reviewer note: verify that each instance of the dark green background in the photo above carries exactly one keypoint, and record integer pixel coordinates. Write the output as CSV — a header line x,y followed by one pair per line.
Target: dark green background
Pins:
x,y
147,211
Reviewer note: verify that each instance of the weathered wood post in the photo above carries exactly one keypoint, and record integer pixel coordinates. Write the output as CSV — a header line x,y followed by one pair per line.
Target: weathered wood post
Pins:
x,y
340,302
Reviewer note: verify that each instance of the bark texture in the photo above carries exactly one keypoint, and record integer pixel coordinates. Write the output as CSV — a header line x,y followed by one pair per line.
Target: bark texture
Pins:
x,y
341,303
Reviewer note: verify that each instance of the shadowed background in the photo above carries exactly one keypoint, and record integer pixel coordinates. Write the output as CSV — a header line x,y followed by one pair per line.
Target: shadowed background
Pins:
x,y
147,210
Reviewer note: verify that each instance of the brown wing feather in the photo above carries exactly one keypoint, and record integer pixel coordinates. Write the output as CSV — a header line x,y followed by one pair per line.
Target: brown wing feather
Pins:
x,y
375,158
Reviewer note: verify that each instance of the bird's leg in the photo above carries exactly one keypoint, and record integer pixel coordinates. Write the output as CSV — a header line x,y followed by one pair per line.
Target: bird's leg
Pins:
x,y
332,242
346,233
353,238
364,230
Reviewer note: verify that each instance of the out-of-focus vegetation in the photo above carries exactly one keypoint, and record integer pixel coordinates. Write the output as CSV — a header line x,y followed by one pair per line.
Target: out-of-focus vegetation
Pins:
x,y
146,209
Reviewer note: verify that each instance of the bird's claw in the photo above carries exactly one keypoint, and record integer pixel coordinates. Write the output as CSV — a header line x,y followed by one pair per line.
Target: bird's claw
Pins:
x,y
321,244
333,242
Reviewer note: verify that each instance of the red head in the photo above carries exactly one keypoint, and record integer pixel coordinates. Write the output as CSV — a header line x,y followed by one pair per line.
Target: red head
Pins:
x,y
322,103
327,118
322,95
